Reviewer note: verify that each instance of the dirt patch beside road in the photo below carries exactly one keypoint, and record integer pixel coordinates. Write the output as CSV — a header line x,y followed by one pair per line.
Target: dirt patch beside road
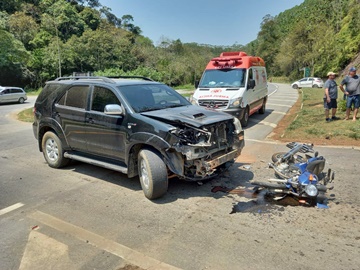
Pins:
x,y
279,133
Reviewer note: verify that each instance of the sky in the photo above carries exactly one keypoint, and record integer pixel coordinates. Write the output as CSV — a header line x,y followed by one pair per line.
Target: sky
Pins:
x,y
213,22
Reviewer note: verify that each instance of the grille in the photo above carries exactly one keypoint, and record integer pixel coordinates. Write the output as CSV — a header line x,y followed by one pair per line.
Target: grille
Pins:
x,y
213,103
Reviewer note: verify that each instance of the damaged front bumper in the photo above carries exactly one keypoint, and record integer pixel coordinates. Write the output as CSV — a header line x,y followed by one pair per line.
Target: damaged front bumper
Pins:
x,y
198,163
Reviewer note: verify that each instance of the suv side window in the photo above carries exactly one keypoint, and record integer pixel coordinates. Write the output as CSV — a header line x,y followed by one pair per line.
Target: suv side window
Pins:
x,y
75,96
102,97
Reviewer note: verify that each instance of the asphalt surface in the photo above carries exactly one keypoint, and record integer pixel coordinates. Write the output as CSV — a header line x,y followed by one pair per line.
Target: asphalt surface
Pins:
x,y
85,217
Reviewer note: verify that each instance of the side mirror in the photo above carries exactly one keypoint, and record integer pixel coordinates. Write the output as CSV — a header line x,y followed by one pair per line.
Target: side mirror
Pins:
x,y
113,109
196,84
251,84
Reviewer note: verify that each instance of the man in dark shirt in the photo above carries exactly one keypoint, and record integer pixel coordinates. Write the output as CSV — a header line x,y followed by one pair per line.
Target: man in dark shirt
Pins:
x,y
352,92
331,94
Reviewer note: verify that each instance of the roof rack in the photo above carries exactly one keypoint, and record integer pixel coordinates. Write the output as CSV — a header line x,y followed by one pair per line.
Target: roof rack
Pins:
x,y
131,77
105,79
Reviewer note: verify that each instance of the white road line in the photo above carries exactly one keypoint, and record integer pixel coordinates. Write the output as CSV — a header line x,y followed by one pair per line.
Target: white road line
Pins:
x,y
10,208
266,142
263,122
281,99
277,112
128,254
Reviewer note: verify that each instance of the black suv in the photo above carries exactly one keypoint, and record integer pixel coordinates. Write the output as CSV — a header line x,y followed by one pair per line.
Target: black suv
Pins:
x,y
135,126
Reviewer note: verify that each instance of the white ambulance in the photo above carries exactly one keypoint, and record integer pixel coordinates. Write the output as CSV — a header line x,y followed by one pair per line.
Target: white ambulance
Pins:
x,y
234,83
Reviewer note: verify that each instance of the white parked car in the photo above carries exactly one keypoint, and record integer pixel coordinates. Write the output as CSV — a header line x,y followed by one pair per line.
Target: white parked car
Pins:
x,y
313,82
12,94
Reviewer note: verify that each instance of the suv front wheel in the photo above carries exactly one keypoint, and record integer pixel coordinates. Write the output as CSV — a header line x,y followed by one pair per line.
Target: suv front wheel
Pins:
x,y
152,174
53,151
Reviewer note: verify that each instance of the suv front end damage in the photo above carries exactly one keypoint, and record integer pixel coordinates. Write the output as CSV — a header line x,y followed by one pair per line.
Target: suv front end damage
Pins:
x,y
205,151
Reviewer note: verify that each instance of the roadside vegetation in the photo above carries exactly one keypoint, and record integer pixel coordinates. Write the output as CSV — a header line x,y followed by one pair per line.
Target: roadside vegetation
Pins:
x,y
305,122
26,115
42,40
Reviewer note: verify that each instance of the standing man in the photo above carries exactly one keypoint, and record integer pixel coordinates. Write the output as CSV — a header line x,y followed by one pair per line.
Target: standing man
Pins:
x,y
352,92
331,94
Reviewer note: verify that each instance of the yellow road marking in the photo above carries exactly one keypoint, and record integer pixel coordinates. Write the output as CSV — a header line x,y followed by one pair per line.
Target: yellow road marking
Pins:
x,y
128,254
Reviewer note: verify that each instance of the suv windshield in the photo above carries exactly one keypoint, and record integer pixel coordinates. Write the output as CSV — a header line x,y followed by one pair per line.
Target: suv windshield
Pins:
x,y
150,97
223,78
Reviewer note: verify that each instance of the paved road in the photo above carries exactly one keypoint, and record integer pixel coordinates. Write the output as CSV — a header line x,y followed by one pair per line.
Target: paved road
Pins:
x,y
85,217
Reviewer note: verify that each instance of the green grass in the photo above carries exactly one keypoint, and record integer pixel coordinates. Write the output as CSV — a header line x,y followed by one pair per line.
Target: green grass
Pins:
x,y
189,87
33,92
308,123
280,80
26,115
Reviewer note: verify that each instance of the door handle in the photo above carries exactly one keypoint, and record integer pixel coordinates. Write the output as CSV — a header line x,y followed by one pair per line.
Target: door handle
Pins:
x,y
90,120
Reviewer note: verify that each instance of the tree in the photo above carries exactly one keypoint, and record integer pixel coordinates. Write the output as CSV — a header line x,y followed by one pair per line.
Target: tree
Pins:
x,y
9,6
91,17
3,20
62,19
23,27
110,17
268,41
13,61
126,23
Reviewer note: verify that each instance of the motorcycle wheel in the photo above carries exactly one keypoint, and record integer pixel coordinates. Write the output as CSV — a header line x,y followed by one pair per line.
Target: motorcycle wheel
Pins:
x,y
277,156
321,197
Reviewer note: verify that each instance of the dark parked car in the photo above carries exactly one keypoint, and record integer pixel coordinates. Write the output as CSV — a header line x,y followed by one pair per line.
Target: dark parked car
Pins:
x,y
134,126
12,94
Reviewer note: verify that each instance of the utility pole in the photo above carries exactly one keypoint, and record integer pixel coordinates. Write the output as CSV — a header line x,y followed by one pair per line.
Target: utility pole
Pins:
x,y
58,47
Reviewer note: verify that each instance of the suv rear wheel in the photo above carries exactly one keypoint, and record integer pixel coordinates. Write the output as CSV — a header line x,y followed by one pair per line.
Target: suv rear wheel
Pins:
x,y
53,151
152,174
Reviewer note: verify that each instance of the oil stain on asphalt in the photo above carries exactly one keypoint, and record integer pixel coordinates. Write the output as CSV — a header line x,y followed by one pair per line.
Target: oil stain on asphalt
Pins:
x,y
261,203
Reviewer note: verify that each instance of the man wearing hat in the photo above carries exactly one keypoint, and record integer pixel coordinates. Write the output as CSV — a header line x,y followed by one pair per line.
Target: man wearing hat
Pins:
x,y
352,92
331,94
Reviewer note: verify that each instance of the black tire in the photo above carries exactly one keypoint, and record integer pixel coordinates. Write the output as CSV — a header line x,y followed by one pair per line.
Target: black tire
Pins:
x,y
263,107
277,156
245,119
321,198
321,188
21,100
152,174
268,185
295,86
315,86
53,151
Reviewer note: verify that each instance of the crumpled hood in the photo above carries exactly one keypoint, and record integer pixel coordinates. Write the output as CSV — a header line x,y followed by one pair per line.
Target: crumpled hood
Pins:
x,y
191,114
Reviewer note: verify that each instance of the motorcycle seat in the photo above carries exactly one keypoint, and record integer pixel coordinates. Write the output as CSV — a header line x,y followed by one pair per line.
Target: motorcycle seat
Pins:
x,y
316,166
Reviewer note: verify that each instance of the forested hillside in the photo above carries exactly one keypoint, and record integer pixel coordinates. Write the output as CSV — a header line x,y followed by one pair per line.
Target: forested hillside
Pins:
x,y
320,34
44,39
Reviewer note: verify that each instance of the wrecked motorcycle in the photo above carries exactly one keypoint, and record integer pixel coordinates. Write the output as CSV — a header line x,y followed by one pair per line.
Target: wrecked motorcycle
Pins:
x,y
303,180
291,163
